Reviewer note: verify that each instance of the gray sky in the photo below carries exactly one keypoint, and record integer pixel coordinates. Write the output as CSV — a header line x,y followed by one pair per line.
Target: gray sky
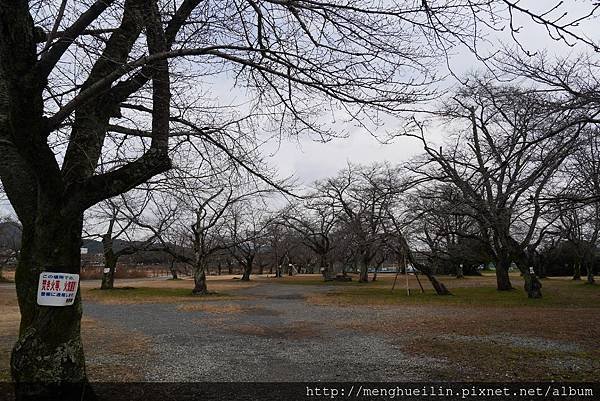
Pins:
x,y
309,160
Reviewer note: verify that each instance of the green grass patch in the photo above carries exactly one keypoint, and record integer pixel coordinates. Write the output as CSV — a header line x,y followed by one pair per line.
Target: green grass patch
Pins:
x,y
556,295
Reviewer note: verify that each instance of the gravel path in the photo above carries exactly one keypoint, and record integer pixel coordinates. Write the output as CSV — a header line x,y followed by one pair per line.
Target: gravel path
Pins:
x,y
274,336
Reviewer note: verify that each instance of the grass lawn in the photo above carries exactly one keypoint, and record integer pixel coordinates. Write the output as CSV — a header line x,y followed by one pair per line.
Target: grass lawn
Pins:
x,y
556,293
478,333
469,291
161,291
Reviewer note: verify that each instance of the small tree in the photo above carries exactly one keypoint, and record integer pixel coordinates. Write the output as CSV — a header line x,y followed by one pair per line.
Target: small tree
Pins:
x,y
361,195
120,217
313,220
247,228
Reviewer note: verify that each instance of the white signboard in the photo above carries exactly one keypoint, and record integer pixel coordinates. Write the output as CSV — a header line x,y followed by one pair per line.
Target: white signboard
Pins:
x,y
57,289
106,270
84,251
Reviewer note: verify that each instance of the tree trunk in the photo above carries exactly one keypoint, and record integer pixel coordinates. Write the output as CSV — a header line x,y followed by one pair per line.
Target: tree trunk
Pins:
x,y
48,352
577,271
247,272
199,271
502,277
323,261
110,262
438,286
533,286
173,270
200,287
590,272
459,271
247,269
364,273
108,276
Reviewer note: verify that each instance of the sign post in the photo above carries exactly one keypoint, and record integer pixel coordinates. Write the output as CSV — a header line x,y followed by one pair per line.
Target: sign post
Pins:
x,y
57,289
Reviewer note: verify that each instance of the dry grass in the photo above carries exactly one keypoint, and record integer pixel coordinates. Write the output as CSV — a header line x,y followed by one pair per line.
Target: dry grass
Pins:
x,y
143,295
226,308
296,331
113,354
210,308
9,329
483,360
159,291
464,329
569,325
539,343
557,293
214,283
387,280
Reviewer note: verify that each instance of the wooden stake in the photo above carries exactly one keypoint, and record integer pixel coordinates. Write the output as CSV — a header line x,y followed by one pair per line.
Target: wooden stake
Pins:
x,y
406,273
396,278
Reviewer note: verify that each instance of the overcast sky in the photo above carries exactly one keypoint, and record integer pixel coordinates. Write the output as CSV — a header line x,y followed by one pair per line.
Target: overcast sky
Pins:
x,y
309,160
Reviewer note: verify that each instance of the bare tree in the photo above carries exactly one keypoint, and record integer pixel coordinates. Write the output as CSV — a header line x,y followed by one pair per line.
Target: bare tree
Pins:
x,y
510,143
120,217
314,220
285,245
399,225
444,222
86,99
197,198
247,229
361,195
576,203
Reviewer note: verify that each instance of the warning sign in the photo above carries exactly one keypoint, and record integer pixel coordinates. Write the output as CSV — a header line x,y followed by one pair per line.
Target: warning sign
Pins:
x,y
57,289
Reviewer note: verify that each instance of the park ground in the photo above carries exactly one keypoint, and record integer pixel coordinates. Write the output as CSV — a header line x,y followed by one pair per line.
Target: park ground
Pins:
x,y
302,329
